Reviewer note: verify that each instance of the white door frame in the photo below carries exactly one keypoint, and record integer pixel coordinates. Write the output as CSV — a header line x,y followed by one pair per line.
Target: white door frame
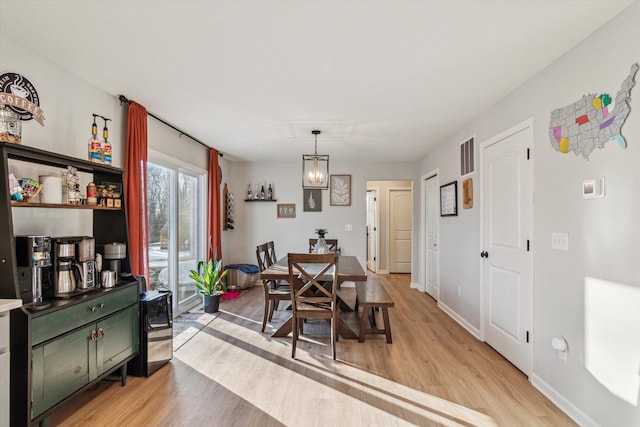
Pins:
x,y
528,123
422,265
376,227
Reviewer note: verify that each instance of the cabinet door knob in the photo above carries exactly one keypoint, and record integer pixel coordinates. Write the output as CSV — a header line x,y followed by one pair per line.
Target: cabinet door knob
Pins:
x,y
94,337
102,306
100,333
93,309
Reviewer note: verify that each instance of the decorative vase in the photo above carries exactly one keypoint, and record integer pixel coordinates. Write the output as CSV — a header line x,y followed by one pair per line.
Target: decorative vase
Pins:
x,y
211,303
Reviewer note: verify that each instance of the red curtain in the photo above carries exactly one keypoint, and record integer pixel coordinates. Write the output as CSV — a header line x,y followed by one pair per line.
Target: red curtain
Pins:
x,y
214,205
135,180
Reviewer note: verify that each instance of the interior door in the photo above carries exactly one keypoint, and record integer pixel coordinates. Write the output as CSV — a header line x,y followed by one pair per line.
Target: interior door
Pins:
x,y
432,214
507,227
399,231
372,230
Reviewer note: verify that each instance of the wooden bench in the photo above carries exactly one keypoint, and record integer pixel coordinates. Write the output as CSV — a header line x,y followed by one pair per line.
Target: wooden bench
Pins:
x,y
372,295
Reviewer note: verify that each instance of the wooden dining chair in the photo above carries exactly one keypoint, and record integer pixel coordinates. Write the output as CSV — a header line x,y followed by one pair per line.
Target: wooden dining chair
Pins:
x,y
274,291
331,243
314,281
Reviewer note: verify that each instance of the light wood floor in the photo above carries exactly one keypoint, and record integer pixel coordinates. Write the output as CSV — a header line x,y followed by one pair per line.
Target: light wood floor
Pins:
x,y
231,374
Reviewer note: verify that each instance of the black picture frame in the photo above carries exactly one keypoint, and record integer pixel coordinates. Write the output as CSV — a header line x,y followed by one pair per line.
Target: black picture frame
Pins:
x,y
449,199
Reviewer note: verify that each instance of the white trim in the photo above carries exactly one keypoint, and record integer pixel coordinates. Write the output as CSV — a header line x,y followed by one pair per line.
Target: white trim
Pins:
x,y
520,127
562,402
460,320
376,191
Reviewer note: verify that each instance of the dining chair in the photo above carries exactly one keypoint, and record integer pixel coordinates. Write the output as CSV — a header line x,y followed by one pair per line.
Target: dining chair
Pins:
x,y
314,281
274,291
331,243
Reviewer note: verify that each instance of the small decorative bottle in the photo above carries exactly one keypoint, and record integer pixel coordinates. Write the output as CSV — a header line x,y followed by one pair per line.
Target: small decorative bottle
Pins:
x,y
270,193
106,148
249,193
262,193
95,146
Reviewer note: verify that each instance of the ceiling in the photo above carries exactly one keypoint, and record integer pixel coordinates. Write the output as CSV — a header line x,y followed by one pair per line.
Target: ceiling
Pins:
x,y
382,80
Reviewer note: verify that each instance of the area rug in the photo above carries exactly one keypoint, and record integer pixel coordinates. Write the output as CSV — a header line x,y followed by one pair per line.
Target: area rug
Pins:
x,y
231,295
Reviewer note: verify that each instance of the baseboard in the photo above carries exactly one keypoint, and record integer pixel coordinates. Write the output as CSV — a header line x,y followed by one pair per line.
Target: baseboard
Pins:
x,y
417,286
562,402
455,316
382,272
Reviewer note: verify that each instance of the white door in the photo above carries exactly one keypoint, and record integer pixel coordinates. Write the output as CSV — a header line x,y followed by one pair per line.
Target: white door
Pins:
x,y
399,231
432,214
372,229
507,223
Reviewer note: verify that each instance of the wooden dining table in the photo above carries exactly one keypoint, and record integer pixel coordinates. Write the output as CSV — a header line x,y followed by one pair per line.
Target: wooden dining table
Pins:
x,y
349,270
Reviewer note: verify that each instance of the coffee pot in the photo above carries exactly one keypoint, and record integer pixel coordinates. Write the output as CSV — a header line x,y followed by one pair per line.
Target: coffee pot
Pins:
x,y
66,276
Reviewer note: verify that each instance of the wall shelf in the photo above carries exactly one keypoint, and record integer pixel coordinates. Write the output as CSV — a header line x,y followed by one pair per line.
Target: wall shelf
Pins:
x,y
60,206
260,200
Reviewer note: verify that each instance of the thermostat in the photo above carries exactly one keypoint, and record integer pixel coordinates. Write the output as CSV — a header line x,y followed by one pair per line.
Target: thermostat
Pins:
x,y
593,188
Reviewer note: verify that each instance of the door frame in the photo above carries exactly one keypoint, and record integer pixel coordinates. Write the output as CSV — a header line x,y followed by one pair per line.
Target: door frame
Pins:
x,y
376,228
423,239
522,126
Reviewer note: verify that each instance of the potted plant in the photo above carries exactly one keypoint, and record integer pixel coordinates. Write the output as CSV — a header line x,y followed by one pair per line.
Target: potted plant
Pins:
x,y
208,280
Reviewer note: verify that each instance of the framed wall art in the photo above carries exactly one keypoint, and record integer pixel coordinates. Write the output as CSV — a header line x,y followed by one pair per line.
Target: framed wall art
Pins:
x,y
340,190
449,199
312,200
286,210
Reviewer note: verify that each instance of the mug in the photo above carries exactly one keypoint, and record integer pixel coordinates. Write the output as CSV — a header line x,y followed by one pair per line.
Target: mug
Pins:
x,y
108,278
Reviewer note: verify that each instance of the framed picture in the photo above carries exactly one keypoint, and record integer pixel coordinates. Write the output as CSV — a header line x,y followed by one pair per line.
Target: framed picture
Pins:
x,y
449,199
312,200
286,210
340,190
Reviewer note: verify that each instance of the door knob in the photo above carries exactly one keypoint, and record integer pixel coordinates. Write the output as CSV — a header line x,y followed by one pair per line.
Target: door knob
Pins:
x,y
484,254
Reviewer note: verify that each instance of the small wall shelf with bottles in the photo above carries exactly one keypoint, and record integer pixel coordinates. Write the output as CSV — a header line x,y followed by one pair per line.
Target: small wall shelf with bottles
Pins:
x,y
62,206
260,200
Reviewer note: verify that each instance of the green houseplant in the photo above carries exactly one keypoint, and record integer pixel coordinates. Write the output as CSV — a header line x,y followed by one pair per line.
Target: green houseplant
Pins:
x,y
208,281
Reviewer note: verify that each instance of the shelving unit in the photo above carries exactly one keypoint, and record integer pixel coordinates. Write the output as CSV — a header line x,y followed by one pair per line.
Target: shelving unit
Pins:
x,y
60,351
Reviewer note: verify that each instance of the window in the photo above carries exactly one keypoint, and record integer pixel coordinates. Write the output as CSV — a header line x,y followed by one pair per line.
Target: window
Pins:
x,y
177,227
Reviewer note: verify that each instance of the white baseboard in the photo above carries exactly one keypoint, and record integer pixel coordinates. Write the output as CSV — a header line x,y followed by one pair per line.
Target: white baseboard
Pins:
x,y
382,272
417,286
455,316
562,402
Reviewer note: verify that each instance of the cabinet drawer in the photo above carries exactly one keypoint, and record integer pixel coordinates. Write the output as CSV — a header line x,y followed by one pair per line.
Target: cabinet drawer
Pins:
x,y
56,323
4,331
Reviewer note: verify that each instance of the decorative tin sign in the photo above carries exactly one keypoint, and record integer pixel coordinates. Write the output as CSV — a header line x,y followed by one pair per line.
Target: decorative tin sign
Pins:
x,y
19,95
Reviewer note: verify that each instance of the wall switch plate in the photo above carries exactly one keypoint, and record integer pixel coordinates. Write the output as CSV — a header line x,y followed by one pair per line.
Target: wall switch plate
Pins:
x,y
560,241
348,227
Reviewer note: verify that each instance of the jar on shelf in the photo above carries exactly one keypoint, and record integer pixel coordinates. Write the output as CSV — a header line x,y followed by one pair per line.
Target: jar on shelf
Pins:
x,y
10,126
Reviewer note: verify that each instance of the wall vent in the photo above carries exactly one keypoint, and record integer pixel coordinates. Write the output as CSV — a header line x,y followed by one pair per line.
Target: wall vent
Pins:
x,y
467,158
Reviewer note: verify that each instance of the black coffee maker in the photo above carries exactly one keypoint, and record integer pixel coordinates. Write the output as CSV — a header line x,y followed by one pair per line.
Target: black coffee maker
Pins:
x,y
33,256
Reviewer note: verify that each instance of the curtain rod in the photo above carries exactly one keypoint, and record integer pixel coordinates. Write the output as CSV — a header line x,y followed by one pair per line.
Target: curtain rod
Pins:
x,y
123,98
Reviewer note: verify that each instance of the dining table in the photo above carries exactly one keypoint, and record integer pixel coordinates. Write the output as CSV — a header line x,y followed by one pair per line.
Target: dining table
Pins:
x,y
349,270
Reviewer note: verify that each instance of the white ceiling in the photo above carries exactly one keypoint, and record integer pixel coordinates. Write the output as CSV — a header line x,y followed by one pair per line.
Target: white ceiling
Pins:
x,y
383,80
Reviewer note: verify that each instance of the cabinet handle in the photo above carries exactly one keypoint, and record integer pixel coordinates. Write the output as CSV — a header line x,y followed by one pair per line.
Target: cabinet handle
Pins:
x,y
100,333
102,306
94,337
93,309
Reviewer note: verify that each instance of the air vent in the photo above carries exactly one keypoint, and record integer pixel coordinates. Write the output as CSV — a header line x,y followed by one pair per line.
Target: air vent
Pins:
x,y
467,158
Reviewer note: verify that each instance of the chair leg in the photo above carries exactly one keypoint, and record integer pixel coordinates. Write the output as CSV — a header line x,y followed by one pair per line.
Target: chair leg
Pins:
x,y
334,336
272,306
266,313
294,336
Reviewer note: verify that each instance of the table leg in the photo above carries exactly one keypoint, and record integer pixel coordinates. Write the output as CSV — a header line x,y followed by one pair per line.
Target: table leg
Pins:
x,y
284,329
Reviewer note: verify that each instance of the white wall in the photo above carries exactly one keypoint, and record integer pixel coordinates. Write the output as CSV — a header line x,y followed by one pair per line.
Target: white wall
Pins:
x,y
604,235
257,222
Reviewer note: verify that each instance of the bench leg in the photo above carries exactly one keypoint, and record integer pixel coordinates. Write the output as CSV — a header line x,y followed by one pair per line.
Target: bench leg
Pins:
x,y
363,324
387,324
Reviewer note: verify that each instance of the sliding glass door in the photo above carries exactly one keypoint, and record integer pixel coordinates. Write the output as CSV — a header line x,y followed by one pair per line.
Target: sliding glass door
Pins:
x,y
176,228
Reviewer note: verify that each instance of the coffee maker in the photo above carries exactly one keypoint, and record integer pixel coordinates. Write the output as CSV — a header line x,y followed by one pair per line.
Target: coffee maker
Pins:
x,y
86,263
33,255
65,268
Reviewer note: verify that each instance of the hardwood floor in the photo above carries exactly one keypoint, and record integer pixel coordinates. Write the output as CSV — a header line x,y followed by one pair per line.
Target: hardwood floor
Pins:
x,y
230,374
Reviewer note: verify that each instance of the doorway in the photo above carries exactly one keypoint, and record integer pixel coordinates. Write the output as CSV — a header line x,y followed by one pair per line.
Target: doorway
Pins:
x,y
507,229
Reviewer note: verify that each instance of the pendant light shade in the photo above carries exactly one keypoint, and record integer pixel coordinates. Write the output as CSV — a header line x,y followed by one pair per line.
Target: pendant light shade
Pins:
x,y
315,168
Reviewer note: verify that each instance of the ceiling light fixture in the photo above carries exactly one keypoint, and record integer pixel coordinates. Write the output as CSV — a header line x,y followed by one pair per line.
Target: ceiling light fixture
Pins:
x,y
315,168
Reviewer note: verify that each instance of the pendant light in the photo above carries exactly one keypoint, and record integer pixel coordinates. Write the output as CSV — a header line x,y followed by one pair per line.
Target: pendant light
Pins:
x,y
315,168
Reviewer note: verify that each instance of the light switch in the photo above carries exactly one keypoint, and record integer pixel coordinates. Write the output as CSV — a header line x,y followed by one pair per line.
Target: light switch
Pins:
x,y
348,227
560,241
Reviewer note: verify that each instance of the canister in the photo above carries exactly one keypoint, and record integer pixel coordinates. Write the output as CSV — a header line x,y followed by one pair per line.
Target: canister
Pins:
x,y
51,191
92,195
10,126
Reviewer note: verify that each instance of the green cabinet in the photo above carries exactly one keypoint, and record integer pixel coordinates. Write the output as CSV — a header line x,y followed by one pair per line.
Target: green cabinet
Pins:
x,y
69,363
